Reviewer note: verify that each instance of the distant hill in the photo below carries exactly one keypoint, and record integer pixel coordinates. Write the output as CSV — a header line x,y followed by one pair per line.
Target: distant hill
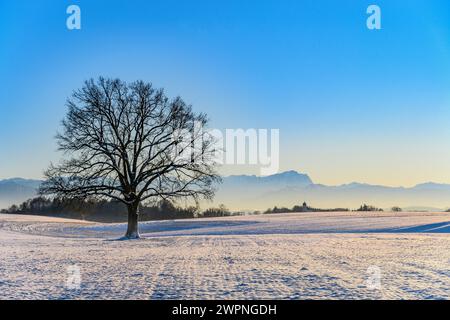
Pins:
x,y
249,192
284,179
16,190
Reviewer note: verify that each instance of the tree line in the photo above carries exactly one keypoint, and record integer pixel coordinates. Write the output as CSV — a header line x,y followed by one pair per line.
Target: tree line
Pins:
x,y
306,208
115,211
302,208
110,210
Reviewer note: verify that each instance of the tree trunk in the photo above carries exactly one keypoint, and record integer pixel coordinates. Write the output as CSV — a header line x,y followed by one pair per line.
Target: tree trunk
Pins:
x,y
133,222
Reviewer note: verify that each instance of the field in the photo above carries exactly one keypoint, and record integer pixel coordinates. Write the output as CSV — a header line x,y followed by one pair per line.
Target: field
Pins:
x,y
285,256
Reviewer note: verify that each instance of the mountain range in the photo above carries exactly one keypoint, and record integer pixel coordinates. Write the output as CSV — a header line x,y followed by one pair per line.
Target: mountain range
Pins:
x,y
286,189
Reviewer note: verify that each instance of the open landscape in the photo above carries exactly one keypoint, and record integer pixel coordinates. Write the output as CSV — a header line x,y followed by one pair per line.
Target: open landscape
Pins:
x,y
279,256
206,151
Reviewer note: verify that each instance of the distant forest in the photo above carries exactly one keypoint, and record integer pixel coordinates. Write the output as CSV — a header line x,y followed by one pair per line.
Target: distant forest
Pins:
x,y
110,210
114,211
302,208
306,208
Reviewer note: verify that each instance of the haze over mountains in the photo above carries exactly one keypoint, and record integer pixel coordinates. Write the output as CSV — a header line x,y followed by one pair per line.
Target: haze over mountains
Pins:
x,y
242,192
16,190
292,188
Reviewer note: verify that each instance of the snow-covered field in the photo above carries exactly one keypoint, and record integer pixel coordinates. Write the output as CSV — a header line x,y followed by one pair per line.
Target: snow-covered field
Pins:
x,y
287,256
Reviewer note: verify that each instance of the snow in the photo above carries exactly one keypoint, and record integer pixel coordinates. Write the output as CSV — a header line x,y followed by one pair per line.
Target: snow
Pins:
x,y
284,256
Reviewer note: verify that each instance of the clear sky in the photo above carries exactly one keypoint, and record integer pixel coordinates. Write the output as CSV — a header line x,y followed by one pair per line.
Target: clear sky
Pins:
x,y
352,104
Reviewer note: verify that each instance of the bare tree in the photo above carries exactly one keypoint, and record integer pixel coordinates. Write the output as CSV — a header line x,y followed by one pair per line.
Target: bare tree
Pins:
x,y
133,144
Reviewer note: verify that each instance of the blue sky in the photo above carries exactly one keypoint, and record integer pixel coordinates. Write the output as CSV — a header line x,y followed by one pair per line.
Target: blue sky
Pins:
x,y
351,104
